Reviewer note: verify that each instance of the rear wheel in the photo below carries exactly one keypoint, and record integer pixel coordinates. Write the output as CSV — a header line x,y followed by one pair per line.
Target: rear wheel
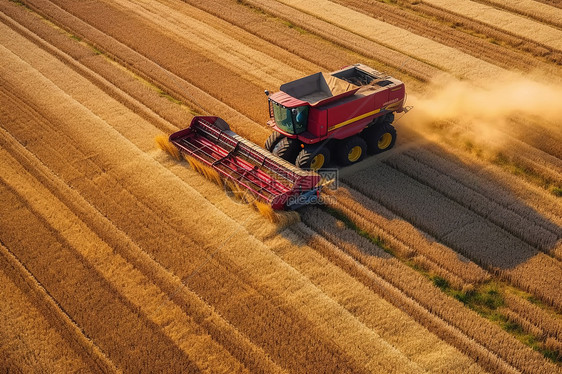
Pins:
x,y
351,150
380,138
313,158
272,141
287,149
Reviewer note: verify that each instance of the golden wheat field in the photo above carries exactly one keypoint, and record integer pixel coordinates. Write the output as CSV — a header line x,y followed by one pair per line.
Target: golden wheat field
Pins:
x,y
442,255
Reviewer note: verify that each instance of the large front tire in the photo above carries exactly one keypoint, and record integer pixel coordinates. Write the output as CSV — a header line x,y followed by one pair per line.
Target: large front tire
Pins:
x,y
287,149
272,141
313,158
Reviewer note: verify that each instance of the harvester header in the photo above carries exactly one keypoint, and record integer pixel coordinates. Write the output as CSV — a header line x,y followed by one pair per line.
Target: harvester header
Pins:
x,y
244,165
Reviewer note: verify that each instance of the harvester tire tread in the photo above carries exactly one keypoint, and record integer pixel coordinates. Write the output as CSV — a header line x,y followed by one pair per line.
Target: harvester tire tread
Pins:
x,y
272,140
351,150
380,138
287,149
306,157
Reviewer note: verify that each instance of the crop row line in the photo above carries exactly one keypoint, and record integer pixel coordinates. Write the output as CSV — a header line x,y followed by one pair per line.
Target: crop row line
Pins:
x,y
16,270
407,290
264,314
472,200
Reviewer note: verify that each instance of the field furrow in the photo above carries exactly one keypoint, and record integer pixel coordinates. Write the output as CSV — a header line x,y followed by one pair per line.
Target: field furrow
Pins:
x,y
94,131
173,79
460,228
219,41
344,285
445,34
219,329
79,288
130,260
405,239
209,282
52,343
437,312
443,57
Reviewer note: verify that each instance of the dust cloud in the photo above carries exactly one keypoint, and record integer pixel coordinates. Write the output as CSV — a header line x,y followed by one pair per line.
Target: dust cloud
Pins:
x,y
483,110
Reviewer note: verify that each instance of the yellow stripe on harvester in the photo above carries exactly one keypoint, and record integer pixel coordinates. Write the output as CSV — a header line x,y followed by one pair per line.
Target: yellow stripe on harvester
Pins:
x,y
353,120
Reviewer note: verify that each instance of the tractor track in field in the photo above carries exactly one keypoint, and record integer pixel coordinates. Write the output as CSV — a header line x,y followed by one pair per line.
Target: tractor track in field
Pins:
x,y
178,292
167,78
70,274
404,243
469,334
538,32
242,335
76,186
206,286
94,359
420,202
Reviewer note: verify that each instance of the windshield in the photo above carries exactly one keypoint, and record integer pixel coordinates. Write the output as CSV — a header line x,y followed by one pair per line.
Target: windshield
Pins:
x,y
291,120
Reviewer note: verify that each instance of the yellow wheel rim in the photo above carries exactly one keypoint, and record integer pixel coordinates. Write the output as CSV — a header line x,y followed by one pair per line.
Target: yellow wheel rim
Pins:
x,y
317,162
354,153
385,140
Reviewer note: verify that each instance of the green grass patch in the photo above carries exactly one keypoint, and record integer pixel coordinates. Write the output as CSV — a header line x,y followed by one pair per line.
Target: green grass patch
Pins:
x,y
291,25
556,191
486,299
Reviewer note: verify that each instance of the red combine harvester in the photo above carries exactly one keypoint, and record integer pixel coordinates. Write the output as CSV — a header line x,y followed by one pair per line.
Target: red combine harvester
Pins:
x,y
345,113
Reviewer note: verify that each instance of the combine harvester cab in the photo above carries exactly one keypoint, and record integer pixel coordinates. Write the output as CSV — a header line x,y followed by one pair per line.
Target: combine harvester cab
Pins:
x,y
338,116
247,166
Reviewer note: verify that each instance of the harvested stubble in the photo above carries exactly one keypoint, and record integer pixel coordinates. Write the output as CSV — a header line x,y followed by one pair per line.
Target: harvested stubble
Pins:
x,y
411,17
342,284
193,305
437,173
418,47
145,201
463,230
32,340
215,38
149,216
533,9
441,314
404,238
